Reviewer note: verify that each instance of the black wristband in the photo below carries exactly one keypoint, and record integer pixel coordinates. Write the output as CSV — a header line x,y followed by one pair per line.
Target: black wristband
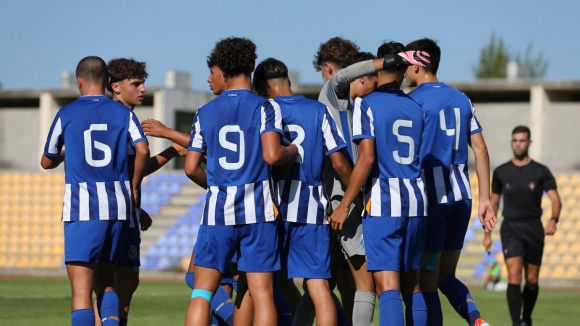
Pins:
x,y
555,219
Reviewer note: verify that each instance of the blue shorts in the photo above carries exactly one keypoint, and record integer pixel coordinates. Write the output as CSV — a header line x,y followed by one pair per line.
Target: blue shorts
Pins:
x,y
447,224
130,252
256,245
306,250
227,276
94,241
394,243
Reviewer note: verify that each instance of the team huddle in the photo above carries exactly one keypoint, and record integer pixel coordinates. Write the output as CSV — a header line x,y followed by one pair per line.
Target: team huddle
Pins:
x,y
365,190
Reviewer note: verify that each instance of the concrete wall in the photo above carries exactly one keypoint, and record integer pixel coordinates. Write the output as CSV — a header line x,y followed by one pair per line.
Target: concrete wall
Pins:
x,y
19,137
498,121
561,124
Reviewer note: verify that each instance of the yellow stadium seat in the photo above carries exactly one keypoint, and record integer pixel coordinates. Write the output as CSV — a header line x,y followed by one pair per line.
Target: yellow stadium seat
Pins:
x,y
575,179
557,272
551,259
544,272
562,248
571,273
562,178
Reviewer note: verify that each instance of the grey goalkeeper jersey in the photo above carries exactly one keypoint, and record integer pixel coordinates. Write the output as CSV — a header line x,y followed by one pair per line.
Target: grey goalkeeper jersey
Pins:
x,y
335,95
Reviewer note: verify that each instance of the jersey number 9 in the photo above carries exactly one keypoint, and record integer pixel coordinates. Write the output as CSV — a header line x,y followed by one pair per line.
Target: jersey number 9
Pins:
x,y
223,161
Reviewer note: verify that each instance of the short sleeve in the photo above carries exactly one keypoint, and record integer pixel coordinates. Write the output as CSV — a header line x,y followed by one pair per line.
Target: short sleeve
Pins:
x,y
196,140
332,138
362,121
548,180
55,139
270,118
496,186
135,131
475,125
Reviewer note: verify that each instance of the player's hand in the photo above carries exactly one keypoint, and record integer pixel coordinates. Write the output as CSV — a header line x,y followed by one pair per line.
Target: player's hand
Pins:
x,y
487,242
181,151
154,128
550,228
486,215
145,220
338,217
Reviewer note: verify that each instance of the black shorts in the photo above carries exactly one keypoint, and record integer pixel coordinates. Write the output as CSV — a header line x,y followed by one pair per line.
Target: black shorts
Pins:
x,y
523,238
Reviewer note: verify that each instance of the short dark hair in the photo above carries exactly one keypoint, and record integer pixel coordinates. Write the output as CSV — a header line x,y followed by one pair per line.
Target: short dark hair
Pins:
x,y
430,46
520,129
234,56
391,47
122,68
269,69
336,50
92,69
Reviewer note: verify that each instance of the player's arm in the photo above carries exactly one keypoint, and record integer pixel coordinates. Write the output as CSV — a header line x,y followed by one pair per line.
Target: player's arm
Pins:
x,y
51,162
159,160
341,166
157,129
139,169
360,173
487,241
550,228
273,151
193,169
486,213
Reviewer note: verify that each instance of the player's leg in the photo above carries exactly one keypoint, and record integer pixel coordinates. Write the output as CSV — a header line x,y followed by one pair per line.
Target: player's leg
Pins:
x,y
456,292
214,249
322,300
415,307
347,289
429,276
513,251
384,241
364,297
259,259
81,277
127,272
534,247
284,287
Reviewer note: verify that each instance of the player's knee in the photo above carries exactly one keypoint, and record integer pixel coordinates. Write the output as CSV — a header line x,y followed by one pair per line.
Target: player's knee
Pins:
x,y
204,294
532,283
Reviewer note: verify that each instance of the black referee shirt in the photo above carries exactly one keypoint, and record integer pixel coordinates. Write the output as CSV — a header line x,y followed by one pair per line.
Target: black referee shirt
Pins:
x,y
522,188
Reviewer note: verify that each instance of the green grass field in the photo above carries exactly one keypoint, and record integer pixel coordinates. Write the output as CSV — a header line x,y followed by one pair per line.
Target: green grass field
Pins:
x,y
46,302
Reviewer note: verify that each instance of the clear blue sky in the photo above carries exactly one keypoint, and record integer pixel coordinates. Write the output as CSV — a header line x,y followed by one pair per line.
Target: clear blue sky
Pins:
x,y
39,39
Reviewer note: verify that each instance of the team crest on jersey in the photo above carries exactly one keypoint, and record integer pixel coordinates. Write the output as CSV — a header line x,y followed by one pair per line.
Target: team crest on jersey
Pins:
x,y
132,252
532,186
362,241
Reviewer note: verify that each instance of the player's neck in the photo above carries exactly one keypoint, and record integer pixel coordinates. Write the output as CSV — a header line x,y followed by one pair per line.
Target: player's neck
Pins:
x,y
279,88
427,78
517,161
92,90
239,82
120,100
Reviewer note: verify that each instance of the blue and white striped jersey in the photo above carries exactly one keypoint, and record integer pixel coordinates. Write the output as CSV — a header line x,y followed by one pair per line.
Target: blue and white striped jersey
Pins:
x,y
310,126
449,122
95,131
395,123
229,129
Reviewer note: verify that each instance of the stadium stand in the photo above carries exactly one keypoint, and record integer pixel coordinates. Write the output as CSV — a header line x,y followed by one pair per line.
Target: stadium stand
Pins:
x,y
31,234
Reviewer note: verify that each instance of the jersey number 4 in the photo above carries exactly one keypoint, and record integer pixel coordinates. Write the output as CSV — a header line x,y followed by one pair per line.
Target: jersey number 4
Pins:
x,y
453,132
90,143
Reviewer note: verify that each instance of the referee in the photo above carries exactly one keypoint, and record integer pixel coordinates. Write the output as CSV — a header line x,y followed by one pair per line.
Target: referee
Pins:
x,y
522,182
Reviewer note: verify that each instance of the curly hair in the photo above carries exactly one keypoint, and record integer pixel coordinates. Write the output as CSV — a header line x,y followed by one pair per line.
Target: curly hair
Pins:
x,y
391,47
336,50
269,69
234,56
121,68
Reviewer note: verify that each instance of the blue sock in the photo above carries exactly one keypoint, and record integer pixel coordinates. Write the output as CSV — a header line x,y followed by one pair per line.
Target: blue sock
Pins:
x,y
460,298
282,308
222,304
108,305
189,279
341,318
235,284
434,312
415,310
391,309
82,317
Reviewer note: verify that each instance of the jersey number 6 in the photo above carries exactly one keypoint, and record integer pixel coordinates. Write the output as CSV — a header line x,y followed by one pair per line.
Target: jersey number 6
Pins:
x,y
89,144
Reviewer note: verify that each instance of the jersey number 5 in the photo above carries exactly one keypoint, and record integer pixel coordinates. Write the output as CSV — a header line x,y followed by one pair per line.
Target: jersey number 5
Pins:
x,y
89,144
453,132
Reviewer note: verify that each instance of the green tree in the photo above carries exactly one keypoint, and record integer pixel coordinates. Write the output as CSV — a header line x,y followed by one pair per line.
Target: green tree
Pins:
x,y
493,59
534,65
